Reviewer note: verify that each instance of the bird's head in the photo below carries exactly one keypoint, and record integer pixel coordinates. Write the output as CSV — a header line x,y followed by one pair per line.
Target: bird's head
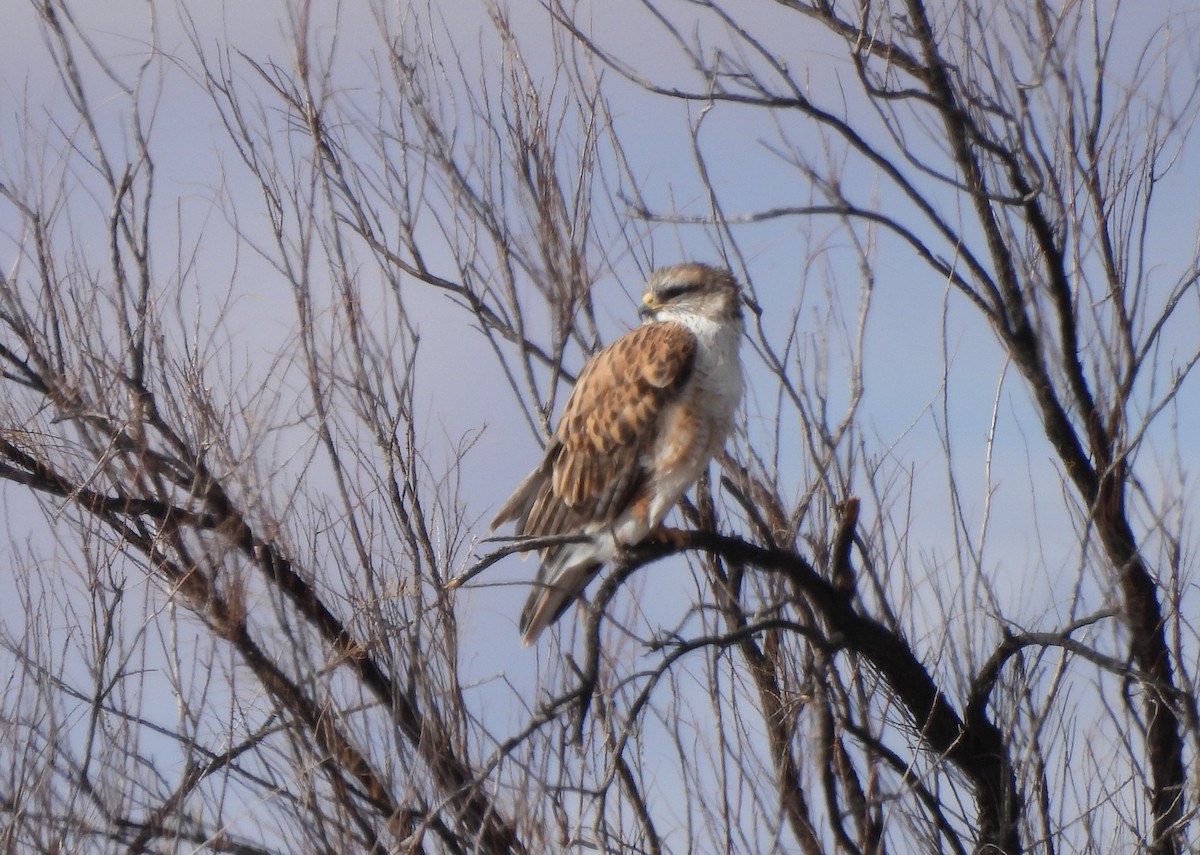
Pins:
x,y
691,289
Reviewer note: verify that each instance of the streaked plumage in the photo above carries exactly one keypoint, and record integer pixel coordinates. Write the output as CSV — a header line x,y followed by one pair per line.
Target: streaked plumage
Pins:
x,y
646,415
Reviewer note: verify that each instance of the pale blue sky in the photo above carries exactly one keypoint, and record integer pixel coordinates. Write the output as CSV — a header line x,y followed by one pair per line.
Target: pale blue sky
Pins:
x,y
904,354
901,413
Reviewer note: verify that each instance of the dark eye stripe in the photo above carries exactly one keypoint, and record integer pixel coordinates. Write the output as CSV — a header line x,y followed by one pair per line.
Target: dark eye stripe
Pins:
x,y
671,292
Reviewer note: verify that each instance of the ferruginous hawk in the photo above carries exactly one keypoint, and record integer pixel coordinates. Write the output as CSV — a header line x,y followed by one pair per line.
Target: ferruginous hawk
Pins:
x,y
646,415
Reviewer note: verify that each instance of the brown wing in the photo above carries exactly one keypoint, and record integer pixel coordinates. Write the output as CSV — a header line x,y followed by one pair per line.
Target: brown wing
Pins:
x,y
593,463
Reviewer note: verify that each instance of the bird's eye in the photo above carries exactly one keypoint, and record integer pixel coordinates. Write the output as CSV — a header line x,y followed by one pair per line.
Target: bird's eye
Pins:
x,y
672,292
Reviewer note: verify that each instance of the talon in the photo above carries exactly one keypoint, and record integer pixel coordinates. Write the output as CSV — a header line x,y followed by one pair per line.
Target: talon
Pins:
x,y
675,538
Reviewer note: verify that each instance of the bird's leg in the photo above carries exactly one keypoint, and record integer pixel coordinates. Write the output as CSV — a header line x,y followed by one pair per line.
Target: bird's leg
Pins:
x,y
675,538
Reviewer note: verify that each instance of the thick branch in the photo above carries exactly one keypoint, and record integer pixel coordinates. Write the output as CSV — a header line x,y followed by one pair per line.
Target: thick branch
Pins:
x,y
976,748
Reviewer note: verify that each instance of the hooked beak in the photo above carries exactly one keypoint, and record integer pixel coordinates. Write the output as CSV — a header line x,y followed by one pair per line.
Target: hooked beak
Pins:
x,y
649,306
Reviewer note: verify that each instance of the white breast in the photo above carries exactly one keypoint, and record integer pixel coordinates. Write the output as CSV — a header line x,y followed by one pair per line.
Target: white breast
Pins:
x,y
717,375
713,394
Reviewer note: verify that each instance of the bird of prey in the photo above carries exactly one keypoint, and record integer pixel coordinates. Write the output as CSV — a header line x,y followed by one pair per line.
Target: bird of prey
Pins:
x,y
646,415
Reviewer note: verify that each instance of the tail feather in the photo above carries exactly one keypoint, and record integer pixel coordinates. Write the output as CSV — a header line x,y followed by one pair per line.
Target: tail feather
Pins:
x,y
547,604
564,574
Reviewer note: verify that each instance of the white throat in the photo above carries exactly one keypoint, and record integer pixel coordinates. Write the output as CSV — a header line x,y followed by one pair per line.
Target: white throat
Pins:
x,y
718,368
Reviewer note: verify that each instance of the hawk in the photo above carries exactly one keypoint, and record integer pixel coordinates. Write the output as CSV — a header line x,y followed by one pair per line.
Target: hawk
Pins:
x,y
646,415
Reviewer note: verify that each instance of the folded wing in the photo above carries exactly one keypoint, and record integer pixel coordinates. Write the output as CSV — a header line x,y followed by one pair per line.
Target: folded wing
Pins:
x,y
593,474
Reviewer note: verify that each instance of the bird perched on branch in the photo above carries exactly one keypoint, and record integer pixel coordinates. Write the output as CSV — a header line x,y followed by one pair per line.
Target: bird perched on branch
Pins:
x,y
646,415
